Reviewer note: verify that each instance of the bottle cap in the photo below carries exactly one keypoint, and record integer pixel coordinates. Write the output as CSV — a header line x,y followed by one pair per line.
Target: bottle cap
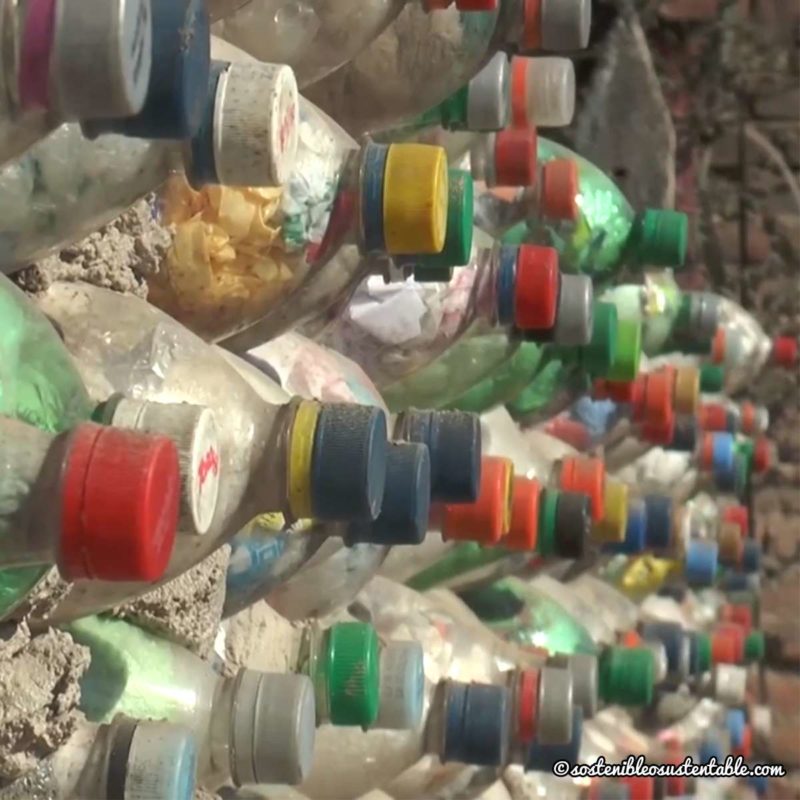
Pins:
x,y
747,415
120,494
731,546
476,724
687,390
543,757
405,510
515,157
574,317
700,562
713,417
735,582
536,288
628,351
488,104
759,784
548,510
684,436
273,728
453,439
583,667
598,356
542,91
565,24
348,462
658,392
640,787
524,515
527,705
193,429
659,652
587,476
722,452
730,684
762,454
559,190
402,686
738,614
178,90
554,709
745,747
415,198
739,515
635,531
710,747
100,59
659,521
615,521
626,675
487,519
351,671
676,644
727,645
735,722
661,432
784,351
660,238
751,556
718,346
754,647
703,645
712,378
573,524
704,315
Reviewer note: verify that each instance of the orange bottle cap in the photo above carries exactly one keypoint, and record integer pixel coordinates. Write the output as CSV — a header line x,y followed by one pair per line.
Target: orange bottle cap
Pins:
x,y
524,528
587,476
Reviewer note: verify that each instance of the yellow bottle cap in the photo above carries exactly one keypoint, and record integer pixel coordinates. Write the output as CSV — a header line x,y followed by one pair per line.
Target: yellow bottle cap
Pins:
x,y
614,524
415,199
646,574
301,451
687,390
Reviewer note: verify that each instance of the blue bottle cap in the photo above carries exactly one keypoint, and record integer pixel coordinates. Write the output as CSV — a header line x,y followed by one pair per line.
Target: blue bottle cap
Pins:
x,y
735,582
476,724
403,518
672,636
658,508
542,757
374,169
751,556
635,531
700,562
708,749
348,472
722,452
685,436
694,653
735,722
506,284
178,87
759,784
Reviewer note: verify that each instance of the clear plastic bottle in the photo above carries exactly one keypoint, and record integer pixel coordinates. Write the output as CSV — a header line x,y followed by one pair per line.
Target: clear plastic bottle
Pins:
x,y
255,727
123,344
116,499
67,61
315,37
130,758
393,81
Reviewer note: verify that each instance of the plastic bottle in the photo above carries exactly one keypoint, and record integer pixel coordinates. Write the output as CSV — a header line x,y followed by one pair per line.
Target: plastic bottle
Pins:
x,y
314,37
126,758
608,234
255,727
116,499
65,61
122,344
391,82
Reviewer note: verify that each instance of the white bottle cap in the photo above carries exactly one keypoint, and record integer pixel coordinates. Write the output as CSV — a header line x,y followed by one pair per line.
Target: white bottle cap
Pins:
x,y
729,683
256,120
101,59
659,659
402,686
575,311
487,96
762,419
273,728
566,24
194,431
583,667
549,94
554,712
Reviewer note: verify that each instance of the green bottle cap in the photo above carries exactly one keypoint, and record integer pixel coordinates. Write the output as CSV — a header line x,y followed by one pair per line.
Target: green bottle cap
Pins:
x,y
683,319
453,112
629,351
754,646
712,378
627,675
742,466
704,652
598,356
351,668
548,513
517,235
660,238
458,238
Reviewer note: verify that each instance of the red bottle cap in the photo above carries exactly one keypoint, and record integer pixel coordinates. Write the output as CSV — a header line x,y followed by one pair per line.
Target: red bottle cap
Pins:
x,y
476,5
487,519
527,705
524,515
658,393
515,157
640,787
738,614
619,392
727,644
120,495
519,91
740,515
630,639
713,417
559,190
718,344
784,351
747,415
659,433
587,476
536,288
532,25
762,454
707,451
745,748
571,431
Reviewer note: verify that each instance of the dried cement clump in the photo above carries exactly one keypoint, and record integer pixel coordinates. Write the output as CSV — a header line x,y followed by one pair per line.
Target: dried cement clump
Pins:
x,y
39,695
188,609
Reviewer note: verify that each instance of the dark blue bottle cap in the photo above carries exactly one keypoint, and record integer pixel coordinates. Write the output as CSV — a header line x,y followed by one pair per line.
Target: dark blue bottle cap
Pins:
x,y
506,284
406,499
751,556
735,722
659,521
542,757
178,87
671,635
373,170
635,531
694,653
348,472
476,724
573,524
202,171
700,562
708,749
684,438
731,421
759,784
735,582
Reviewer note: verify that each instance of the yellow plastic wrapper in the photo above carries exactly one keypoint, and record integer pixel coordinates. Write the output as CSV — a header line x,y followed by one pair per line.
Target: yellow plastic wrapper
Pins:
x,y
226,264
646,574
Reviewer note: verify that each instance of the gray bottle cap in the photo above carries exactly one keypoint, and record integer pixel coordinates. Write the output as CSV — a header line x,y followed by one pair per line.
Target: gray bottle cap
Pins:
x,y
575,315
659,659
583,667
681,674
554,713
101,59
762,419
566,24
488,103
273,728
551,91
704,315
729,682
